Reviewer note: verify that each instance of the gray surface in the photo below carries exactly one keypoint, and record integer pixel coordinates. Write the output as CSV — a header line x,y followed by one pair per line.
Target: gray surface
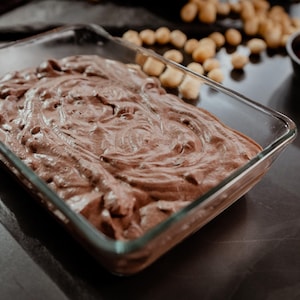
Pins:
x,y
20,277
45,12
251,251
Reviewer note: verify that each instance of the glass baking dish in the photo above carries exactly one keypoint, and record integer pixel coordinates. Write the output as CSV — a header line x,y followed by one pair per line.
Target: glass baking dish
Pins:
x,y
272,130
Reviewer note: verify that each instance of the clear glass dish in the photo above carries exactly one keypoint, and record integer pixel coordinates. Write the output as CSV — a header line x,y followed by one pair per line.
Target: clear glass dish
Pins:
x,y
272,130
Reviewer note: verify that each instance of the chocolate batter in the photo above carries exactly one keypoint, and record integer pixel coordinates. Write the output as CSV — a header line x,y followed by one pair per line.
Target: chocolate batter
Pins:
x,y
113,143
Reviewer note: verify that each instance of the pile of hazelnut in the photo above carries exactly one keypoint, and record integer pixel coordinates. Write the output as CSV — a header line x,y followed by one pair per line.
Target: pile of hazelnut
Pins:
x,y
265,26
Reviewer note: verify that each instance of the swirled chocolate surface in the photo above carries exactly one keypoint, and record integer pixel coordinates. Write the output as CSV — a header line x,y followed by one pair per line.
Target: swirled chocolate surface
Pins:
x,y
113,144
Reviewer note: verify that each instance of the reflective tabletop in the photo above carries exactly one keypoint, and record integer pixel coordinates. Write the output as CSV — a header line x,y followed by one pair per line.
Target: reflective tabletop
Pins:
x,y
250,251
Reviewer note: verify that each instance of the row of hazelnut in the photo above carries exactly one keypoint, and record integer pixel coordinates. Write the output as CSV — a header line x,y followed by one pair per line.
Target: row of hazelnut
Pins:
x,y
203,52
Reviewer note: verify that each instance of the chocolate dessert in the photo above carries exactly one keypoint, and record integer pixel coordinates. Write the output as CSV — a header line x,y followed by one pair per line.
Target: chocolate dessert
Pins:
x,y
113,143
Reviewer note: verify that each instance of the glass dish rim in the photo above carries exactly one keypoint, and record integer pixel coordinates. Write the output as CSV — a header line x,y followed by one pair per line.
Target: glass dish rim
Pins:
x,y
95,237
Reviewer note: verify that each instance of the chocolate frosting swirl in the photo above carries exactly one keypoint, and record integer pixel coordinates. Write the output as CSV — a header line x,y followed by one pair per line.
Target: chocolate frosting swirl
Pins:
x,y
113,143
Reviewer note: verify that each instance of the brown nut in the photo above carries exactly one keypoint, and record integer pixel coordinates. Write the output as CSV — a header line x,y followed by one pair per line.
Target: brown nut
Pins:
x,y
174,55
196,67
162,35
153,67
223,8
133,37
190,45
256,45
218,38
178,38
203,52
261,5
189,12
147,36
190,87
233,37
140,59
239,60
207,41
247,10
171,77
251,26
210,64
273,37
216,75
208,13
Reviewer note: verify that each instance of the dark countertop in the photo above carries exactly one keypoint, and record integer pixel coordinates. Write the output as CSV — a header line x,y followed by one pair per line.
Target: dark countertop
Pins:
x,y
250,251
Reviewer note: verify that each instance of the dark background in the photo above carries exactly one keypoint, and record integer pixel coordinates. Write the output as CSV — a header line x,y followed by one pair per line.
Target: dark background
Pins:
x,y
251,251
